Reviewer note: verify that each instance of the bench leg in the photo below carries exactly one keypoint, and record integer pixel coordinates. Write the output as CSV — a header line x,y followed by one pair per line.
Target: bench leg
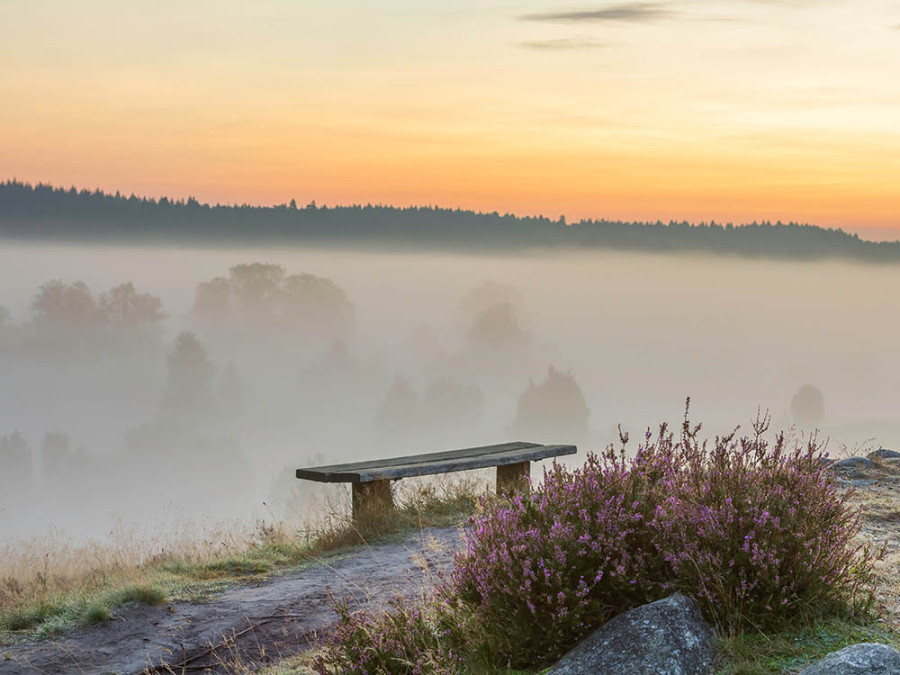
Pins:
x,y
513,477
371,501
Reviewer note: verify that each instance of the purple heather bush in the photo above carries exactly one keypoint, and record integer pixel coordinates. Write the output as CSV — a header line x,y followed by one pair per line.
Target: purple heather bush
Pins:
x,y
757,532
545,568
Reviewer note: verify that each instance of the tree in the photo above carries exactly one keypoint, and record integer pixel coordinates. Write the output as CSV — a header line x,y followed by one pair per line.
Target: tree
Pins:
x,y
255,289
808,406
128,310
489,294
189,394
16,468
315,305
398,410
555,407
212,301
263,298
497,326
66,316
66,307
59,461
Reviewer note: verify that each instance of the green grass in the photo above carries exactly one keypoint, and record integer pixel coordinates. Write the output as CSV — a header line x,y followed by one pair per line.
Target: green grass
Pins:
x,y
791,651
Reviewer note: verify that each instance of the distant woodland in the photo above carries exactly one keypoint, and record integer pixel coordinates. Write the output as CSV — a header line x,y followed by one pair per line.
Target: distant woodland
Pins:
x,y
44,212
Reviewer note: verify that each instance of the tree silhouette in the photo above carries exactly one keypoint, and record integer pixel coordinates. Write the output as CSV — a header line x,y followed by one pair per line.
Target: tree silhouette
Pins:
x,y
16,465
554,410
66,307
128,311
262,298
808,406
188,396
255,290
59,462
212,302
497,327
316,304
489,294
397,414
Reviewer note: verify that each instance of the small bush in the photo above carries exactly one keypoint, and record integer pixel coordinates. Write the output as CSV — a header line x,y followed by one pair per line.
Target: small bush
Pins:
x,y
144,595
759,533
96,613
404,641
234,567
542,570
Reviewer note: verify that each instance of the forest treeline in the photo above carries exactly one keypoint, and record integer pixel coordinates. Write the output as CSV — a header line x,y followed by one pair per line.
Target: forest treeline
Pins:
x,y
44,212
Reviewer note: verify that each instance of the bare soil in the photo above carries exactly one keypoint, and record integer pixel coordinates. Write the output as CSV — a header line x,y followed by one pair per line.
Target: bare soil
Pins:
x,y
248,626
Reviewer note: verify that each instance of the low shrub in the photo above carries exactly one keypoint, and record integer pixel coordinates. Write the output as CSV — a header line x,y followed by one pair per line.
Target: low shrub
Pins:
x,y
758,533
404,641
545,568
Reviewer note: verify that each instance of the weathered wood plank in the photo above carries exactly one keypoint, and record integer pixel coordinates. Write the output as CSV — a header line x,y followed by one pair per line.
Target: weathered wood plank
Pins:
x,y
426,457
438,462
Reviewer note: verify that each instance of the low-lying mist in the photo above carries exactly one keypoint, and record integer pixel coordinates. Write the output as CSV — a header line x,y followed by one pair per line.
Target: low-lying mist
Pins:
x,y
148,387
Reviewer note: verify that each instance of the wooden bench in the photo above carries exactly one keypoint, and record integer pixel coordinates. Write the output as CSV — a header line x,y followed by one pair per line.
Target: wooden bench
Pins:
x,y
370,480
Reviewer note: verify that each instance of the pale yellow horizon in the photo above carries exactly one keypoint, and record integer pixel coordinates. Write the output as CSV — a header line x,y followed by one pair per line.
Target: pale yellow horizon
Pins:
x,y
697,110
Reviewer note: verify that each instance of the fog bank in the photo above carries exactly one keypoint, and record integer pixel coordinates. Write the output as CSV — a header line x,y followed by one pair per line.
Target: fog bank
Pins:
x,y
194,392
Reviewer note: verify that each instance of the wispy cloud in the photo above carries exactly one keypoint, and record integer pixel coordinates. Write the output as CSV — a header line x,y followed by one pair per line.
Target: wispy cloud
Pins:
x,y
632,11
563,44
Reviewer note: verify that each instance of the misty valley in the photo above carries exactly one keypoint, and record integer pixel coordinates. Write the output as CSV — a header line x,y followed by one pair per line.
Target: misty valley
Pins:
x,y
146,388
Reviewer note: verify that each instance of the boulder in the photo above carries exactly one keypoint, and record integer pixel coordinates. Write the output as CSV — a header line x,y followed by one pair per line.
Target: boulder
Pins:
x,y
883,453
666,637
860,659
854,467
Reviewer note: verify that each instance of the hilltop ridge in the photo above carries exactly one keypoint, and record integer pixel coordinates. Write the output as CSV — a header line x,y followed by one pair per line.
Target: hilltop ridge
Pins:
x,y
47,213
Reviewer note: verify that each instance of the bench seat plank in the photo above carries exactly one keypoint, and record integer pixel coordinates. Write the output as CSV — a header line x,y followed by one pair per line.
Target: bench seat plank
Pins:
x,y
433,463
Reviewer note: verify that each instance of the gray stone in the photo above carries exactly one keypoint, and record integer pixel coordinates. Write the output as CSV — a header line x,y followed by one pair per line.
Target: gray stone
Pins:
x,y
854,467
861,659
855,463
666,637
883,453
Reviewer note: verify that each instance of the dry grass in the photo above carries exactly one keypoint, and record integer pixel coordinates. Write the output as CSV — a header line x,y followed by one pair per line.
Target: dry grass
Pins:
x,y
49,584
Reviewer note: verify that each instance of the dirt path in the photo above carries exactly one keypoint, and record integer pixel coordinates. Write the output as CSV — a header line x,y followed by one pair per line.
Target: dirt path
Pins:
x,y
251,625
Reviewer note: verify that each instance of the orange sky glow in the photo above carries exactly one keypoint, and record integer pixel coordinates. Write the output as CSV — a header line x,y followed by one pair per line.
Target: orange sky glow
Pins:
x,y
734,111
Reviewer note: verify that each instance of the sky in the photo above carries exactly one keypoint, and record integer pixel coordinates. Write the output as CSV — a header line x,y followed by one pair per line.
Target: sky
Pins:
x,y
732,110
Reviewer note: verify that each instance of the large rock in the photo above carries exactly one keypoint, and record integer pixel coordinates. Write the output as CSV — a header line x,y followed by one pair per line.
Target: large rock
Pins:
x,y
883,453
666,637
861,659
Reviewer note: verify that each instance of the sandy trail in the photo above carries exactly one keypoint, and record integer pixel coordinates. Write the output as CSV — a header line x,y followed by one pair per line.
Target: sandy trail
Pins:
x,y
251,625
